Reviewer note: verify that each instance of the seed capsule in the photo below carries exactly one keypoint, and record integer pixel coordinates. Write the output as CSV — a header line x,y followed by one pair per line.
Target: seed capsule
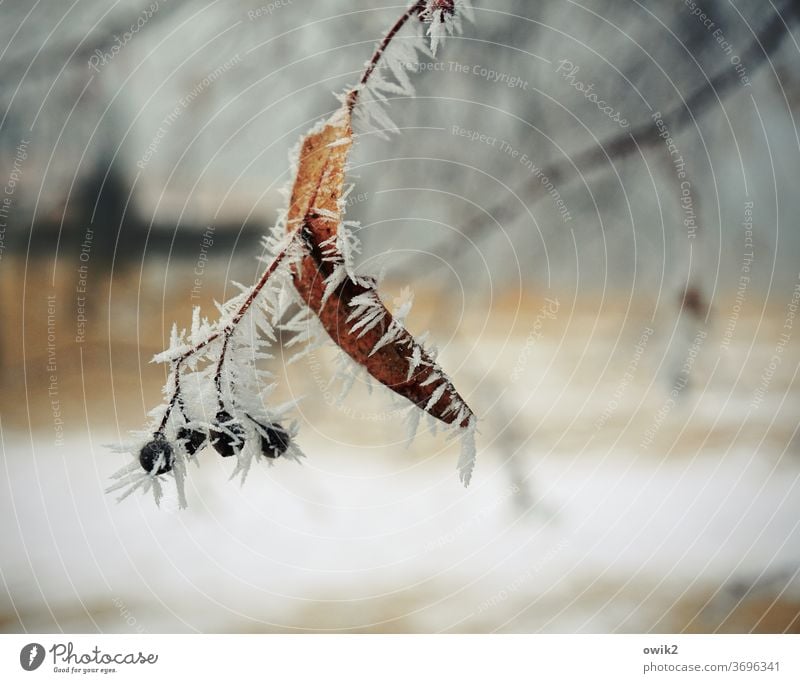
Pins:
x,y
157,455
221,439
193,439
276,441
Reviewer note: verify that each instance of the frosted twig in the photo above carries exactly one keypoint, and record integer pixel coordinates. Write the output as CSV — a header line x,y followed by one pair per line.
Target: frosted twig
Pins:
x,y
225,333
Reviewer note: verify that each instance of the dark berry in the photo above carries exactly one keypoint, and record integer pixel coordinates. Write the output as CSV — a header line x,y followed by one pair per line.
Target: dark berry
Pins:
x,y
158,454
221,439
193,439
276,441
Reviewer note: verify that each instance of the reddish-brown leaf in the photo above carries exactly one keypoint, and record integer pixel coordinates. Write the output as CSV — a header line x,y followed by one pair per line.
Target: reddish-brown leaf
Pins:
x,y
316,196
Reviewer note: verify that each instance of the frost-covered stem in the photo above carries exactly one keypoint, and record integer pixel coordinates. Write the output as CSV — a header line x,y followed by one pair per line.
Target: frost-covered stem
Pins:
x,y
352,96
175,394
218,373
225,333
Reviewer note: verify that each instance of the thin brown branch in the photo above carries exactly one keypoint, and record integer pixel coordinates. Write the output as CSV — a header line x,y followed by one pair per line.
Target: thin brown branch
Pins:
x,y
226,332
352,96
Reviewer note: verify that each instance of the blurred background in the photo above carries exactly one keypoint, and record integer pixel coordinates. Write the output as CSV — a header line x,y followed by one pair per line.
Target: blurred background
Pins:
x,y
595,209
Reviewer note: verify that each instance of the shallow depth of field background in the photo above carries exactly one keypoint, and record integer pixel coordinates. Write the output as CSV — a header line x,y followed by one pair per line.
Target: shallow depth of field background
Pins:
x,y
629,341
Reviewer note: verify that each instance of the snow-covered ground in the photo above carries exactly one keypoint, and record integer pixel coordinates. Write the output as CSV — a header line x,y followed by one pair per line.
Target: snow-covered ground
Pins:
x,y
571,523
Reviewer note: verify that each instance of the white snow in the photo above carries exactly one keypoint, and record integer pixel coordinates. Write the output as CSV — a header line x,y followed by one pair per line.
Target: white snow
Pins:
x,y
358,532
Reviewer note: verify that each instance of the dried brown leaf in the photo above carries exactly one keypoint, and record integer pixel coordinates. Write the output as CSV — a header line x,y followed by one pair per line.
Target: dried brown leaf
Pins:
x,y
315,209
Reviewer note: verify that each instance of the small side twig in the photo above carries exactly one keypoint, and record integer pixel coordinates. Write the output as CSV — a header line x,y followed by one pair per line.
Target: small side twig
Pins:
x,y
226,333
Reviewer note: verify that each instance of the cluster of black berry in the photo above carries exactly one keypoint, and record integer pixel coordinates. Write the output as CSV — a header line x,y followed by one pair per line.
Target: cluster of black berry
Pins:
x,y
227,436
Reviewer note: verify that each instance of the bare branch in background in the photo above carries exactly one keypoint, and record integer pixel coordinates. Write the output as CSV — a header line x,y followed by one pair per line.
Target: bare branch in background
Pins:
x,y
564,172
